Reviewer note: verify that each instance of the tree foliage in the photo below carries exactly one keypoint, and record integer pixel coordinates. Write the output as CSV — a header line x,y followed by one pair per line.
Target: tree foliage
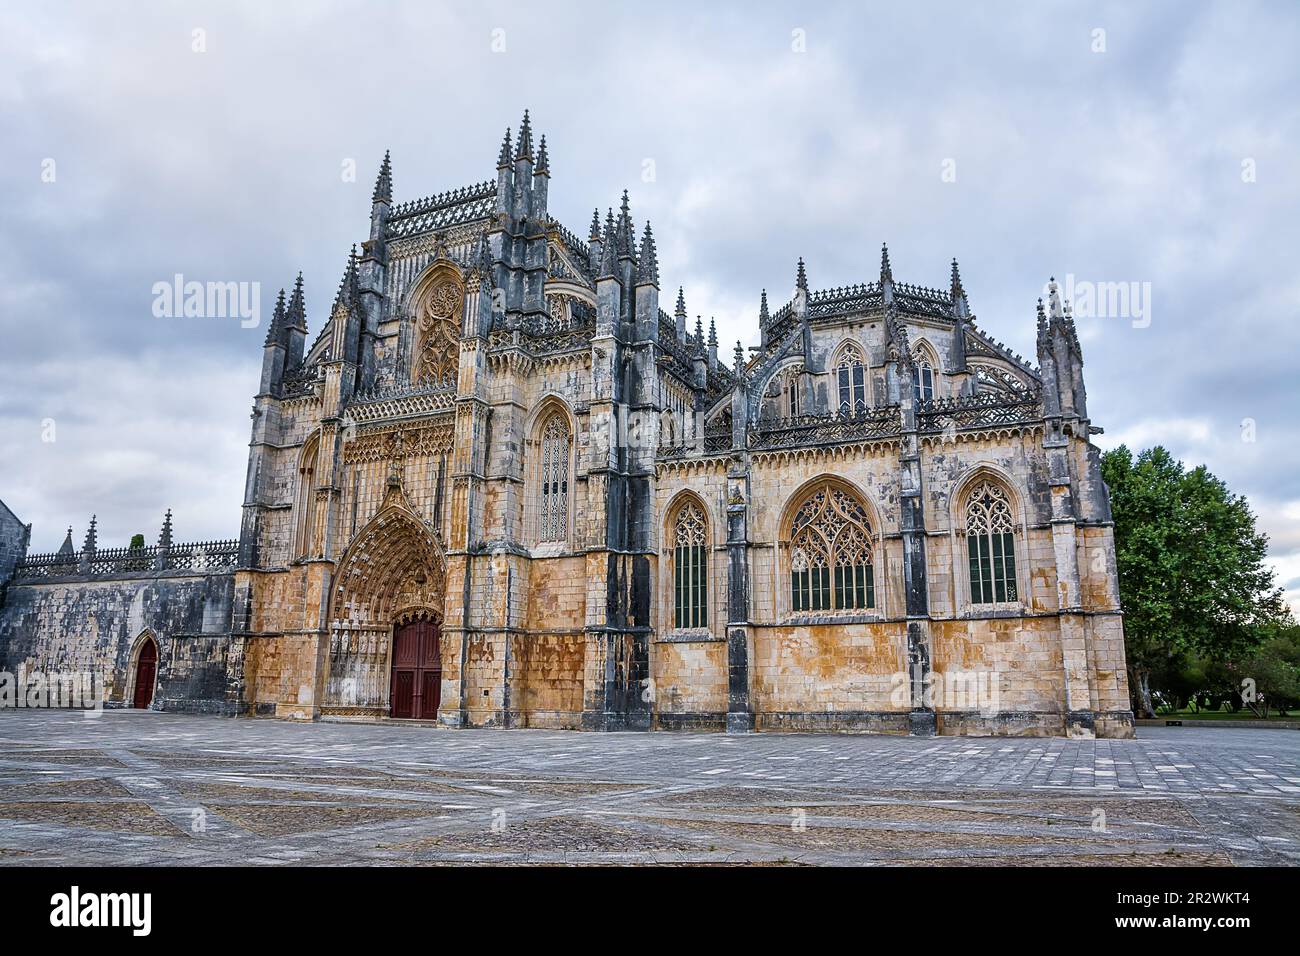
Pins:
x,y
1191,567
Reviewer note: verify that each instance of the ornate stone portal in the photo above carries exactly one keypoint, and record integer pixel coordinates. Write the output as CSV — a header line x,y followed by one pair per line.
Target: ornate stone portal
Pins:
x,y
393,572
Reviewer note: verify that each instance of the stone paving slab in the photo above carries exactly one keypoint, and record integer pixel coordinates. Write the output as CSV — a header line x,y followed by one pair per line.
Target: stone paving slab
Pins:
x,y
143,788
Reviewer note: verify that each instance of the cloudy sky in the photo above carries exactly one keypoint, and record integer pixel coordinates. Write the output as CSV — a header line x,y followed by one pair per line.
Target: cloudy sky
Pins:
x,y
1154,144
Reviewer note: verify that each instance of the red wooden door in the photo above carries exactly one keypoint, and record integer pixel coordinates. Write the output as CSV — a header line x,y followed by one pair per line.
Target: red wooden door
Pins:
x,y
417,671
146,668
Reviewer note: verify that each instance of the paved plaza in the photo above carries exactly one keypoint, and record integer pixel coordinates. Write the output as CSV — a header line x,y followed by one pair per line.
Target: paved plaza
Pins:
x,y
136,787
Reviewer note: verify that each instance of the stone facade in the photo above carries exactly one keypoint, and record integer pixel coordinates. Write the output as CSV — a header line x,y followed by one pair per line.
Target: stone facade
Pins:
x,y
14,536
879,520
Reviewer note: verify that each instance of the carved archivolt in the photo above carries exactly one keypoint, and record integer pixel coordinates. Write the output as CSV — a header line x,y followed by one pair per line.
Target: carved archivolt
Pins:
x,y
394,563
438,324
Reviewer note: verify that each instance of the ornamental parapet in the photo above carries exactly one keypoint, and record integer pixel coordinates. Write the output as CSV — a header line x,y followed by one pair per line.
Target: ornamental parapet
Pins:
x,y
203,557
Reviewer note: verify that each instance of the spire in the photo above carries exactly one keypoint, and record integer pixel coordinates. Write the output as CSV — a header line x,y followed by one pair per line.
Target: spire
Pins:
x,y
886,273
350,285
740,359
713,333
1042,319
296,315
649,258
275,331
165,538
608,257
384,184
67,549
680,311
763,315
957,291
524,150
1053,298
801,277
624,233
594,232
503,158
699,335
92,537
543,163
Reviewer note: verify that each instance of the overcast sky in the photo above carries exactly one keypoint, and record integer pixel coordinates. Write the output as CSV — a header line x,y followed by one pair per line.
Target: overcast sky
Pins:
x,y
1152,143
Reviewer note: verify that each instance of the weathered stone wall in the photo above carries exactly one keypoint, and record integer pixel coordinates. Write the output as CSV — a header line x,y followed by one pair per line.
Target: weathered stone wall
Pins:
x,y
95,626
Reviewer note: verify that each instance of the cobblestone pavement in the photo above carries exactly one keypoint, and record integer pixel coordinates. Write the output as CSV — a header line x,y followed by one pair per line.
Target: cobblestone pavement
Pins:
x,y
136,787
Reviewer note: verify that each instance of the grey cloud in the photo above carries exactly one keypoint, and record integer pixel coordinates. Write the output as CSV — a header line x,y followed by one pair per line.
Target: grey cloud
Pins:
x,y
1123,165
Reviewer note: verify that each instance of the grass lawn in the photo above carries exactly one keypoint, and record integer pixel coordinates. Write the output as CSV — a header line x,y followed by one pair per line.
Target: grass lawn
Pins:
x,y
1221,714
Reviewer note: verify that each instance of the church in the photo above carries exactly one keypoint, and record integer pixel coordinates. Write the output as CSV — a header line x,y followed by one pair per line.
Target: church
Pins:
x,y
504,486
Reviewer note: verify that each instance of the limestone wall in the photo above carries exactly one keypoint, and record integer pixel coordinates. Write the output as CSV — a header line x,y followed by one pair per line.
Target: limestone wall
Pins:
x,y
95,626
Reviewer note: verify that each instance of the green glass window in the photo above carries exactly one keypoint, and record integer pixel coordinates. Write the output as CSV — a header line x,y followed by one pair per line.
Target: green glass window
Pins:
x,y
830,548
690,568
991,546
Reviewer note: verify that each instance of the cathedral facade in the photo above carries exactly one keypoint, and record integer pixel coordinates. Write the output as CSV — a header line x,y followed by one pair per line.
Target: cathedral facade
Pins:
x,y
503,486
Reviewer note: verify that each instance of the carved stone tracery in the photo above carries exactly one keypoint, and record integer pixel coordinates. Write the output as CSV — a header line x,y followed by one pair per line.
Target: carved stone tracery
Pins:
x,y
438,324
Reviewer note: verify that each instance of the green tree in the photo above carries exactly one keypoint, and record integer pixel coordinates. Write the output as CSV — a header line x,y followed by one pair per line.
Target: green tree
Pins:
x,y
1271,671
137,541
1192,577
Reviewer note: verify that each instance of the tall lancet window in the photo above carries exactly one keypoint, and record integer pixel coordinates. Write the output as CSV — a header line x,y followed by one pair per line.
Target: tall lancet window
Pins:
x,y
924,363
991,545
690,567
556,443
792,393
924,380
851,377
830,554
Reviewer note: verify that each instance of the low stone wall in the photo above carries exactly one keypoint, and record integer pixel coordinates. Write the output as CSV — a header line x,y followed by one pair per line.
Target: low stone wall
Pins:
x,y
96,624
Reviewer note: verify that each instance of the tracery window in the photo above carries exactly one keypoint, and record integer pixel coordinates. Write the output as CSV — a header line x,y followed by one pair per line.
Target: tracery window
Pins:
x,y
556,445
830,554
924,382
923,364
990,543
438,322
557,316
690,567
792,394
851,377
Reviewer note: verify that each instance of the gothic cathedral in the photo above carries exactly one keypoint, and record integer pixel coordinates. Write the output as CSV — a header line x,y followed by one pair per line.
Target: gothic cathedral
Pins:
x,y
503,487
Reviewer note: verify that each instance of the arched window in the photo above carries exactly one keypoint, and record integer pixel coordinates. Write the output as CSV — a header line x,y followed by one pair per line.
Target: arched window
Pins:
x,y
305,506
690,567
851,377
990,543
438,321
924,381
792,393
923,376
556,443
830,554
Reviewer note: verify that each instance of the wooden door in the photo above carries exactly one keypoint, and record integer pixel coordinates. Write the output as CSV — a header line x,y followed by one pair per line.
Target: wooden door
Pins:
x,y
146,669
417,671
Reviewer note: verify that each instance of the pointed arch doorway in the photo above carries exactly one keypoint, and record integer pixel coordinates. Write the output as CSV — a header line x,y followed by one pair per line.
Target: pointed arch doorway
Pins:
x,y
146,673
417,669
